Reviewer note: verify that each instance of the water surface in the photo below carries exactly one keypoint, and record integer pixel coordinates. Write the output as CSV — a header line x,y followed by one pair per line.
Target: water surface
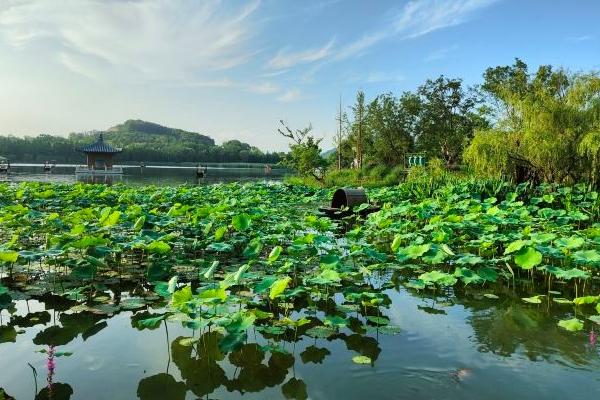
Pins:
x,y
150,175
460,346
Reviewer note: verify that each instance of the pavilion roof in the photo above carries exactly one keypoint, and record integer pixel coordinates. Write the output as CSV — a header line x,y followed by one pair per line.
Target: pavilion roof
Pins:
x,y
99,147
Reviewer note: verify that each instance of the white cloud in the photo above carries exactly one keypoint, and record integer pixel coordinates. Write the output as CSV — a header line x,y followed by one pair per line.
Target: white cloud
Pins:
x,y
290,96
417,18
263,88
582,38
153,39
285,59
440,54
373,77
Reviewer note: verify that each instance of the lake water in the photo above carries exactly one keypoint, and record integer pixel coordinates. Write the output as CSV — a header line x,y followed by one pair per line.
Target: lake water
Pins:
x,y
459,346
150,175
455,343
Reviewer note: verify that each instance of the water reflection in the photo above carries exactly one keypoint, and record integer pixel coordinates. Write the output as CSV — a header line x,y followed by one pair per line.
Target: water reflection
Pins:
x,y
276,364
150,175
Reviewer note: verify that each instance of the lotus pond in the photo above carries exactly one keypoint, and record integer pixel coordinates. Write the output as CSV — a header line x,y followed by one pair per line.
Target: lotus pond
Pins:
x,y
467,290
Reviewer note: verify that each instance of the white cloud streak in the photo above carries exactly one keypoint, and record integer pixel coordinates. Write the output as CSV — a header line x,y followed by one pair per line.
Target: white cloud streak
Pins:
x,y
417,18
290,96
152,40
285,58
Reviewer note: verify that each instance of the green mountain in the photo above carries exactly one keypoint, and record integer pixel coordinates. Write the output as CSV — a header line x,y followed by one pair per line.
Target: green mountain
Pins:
x,y
134,131
140,141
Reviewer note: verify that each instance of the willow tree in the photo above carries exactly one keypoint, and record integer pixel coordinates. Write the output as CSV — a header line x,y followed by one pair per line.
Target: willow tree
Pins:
x,y
547,126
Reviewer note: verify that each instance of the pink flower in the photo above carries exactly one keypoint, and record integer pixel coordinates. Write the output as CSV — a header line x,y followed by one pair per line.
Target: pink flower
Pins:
x,y
593,338
50,365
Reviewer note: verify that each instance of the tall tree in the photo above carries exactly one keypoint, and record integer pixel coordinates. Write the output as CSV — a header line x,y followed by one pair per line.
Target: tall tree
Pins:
x,y
339,136
449,117
358,128
547,129
392,122
305,151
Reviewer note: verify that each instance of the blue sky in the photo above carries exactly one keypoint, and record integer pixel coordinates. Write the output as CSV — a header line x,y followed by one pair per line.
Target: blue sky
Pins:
x,y
233,69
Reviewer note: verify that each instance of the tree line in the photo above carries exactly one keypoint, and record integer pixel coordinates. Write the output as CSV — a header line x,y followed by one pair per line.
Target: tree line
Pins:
x,y
541,126
137,147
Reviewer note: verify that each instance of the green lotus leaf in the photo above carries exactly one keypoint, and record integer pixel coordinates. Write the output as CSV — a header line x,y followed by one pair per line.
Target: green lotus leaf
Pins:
x,y
329,261
278,287
528,257
491,296
241,222
158,247
595,319
362,360
275,253
378,320
220,247
466,275
151,323
181,297
438,277
562,300
572,242
587,257
413,251
8,256
469,259
585,300
572,324
322,332
534,299
515,246
569,274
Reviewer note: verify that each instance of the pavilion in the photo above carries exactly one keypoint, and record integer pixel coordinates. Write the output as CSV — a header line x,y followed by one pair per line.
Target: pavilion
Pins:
x,y
99,158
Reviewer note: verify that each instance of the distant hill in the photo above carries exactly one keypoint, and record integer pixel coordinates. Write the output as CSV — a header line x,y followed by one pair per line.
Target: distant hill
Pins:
x,y
140,141
149,131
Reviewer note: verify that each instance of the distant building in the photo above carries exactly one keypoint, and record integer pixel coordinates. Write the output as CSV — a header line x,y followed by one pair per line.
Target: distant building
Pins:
x,y
99,157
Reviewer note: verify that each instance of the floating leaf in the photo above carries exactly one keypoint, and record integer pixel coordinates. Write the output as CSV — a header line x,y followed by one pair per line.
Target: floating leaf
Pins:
x,y
362,360
533,300
562,300
322,332
438,278
572,324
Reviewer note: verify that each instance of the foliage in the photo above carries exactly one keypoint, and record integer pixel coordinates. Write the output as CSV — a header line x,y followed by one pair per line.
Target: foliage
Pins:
x,y
230,262
547,127
305,152
141,141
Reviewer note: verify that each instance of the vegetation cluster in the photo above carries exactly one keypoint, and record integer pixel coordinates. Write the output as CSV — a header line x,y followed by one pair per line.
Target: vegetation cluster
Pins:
x,y
141,141
541,126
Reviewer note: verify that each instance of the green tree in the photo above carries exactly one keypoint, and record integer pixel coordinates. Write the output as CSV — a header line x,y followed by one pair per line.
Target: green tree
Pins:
x,y
305,152
358,129
448,118
392,122
547,126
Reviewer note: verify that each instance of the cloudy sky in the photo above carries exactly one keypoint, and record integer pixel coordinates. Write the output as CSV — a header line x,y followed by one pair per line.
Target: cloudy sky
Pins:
x,y
233,69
